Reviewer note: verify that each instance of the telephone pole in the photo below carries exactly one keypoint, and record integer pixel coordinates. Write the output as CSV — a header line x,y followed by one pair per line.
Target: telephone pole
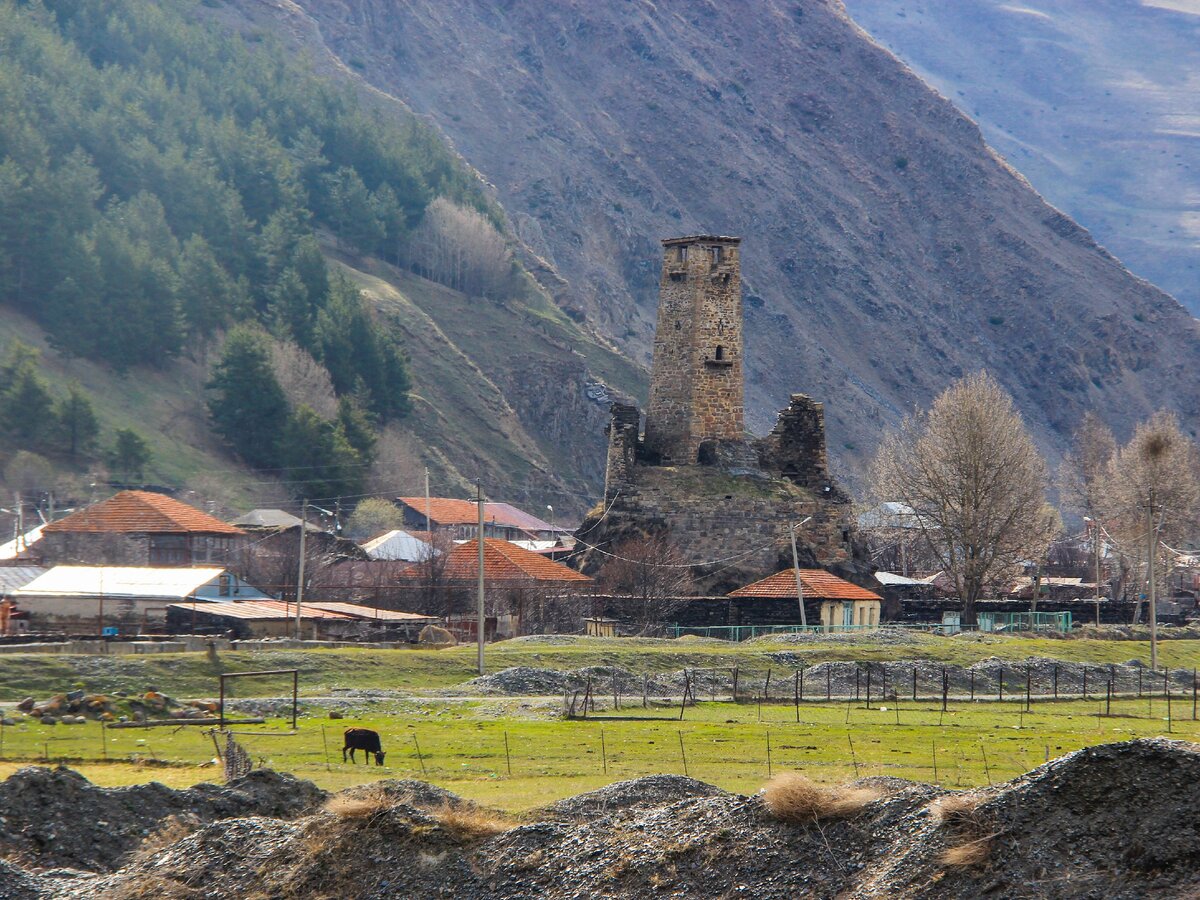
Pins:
x,y
1153,586
796,568
482,620
300,572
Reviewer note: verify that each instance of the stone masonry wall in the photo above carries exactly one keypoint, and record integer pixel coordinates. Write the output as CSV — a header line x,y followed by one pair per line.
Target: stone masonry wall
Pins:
x,y
696,382
795,448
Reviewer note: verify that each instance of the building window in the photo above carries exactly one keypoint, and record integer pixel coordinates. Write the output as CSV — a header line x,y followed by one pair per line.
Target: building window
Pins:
x,y
170,550
681,253
716,255
720,354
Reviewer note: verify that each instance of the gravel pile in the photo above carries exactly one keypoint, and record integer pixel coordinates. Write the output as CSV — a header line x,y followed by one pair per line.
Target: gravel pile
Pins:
x,y
521,680
655,790
56,817
1116,821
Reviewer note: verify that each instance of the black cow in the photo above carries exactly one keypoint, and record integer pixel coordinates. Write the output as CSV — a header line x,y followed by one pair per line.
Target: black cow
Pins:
x,y
363,739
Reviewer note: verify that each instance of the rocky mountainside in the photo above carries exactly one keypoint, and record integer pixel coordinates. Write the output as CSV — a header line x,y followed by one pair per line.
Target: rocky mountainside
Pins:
x,y
1097,102
887,250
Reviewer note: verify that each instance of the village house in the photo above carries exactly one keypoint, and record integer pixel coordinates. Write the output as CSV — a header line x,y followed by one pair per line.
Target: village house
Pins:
x,y
139,528
460,518
526,592
829,601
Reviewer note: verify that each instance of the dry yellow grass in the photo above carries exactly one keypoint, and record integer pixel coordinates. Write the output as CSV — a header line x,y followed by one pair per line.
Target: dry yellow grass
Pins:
x,y
968,855
358,804
467,822
792,797
958,811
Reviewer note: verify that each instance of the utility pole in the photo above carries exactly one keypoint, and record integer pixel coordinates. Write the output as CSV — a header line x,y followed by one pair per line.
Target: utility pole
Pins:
x,y
428,521
1094,527
300,572
482,620
1153,582
796,568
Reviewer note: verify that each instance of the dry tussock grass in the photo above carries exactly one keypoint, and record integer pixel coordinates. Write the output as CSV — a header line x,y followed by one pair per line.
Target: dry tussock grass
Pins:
x,y
153,887
792,797
362,805
968,826
969,855
469,823
171,829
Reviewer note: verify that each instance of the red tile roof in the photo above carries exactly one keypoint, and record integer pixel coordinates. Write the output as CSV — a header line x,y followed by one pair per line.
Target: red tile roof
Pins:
x,y
141,512
502,561
818,585
448,511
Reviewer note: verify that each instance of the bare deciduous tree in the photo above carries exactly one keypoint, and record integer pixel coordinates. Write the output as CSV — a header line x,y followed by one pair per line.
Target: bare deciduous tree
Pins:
x,y
1082,481
976,484
459,248
648,577
1152,493
303,379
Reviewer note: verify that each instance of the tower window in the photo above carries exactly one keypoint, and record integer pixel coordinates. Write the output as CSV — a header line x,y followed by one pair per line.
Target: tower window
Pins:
x,y
716,255
720,352
681,253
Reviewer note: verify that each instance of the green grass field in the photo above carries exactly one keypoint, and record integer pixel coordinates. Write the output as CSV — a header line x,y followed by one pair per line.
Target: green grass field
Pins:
x,y
462,742
462,746
193,675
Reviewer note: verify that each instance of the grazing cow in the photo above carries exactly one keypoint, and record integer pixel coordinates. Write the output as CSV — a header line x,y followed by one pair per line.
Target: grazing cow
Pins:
x,y
363,739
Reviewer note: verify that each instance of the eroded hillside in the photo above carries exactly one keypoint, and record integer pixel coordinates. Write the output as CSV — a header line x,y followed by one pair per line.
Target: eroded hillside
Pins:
x,y
887,249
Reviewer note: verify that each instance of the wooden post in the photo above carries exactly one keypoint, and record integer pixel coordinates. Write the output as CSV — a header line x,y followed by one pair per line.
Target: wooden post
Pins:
x,y
935,772
767,686
1139,682
768,752
1000,679
603,752
324,743
853,755
868,685
986,768
1194,694
914,684
683,754
1085,690
420,756
1028,687
828,682
1056,681
508,756
796,692
616,696
945,688
1108,699
857,681
645,691
735,683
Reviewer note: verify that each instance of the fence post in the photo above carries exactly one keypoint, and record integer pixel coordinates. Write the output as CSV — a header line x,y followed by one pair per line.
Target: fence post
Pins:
x,y
828,681
796,693
1056,681
915,684
1085,690
767,686
972,671
1194,694
1028,687
857,684
801,694
945,687
1001,681
683,754
1108,699
1139,682
735,683
868,685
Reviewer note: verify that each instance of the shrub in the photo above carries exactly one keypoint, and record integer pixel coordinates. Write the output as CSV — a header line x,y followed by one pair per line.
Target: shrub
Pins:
x,y
792,797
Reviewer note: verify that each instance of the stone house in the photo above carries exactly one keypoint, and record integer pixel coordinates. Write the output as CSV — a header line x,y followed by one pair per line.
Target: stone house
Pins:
x,y
139,528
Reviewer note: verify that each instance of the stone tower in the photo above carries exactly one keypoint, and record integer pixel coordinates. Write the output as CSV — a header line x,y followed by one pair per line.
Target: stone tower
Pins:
x,y
696,382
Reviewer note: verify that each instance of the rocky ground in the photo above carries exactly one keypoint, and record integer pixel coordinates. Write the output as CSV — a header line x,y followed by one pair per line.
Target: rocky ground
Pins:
x,y
1114,821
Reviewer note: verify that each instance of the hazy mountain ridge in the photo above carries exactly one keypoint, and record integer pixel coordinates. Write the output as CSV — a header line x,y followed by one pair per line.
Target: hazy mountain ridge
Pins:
x,y
1097,102
887,250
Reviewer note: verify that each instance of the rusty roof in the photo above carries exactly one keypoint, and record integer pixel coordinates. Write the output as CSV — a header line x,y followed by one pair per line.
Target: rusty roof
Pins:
x,y
451,511
502,561
359,611
818,585
141,512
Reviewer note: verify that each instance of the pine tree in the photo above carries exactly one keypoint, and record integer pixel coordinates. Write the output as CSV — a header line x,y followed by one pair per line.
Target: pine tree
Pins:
x,y
317,454
129,456
248,408
25,403
75,425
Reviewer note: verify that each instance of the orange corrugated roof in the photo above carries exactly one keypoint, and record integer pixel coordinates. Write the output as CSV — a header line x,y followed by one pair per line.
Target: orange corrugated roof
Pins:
x,y
449,511
141,512
502,561
818,584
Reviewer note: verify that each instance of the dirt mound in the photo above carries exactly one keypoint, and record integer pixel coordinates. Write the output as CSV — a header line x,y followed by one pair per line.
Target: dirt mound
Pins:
x,y
1116,821
652,791
17,885
56,817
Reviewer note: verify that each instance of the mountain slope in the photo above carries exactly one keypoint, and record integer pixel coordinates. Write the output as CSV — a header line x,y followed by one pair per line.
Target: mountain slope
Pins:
x,y
886,249
1096,101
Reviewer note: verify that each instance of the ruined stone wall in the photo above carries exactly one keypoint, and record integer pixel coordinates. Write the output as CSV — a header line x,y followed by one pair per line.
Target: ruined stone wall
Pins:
x,y
795,448
696,381
622,433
